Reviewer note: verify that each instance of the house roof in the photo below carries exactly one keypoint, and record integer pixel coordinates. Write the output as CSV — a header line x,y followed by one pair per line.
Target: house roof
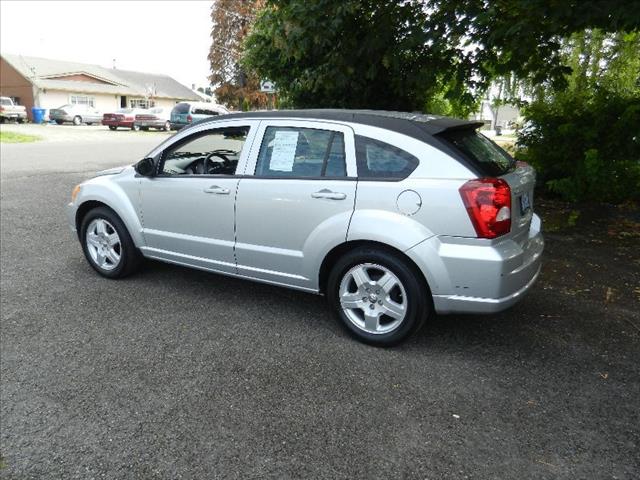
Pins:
x,y
40,71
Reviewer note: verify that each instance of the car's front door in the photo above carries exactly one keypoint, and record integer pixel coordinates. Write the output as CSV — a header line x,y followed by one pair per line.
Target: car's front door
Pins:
x,y
187,210
296,197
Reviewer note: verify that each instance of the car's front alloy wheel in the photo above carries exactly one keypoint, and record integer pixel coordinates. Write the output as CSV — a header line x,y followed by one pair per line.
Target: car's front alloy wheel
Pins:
x,y
103,244
107,244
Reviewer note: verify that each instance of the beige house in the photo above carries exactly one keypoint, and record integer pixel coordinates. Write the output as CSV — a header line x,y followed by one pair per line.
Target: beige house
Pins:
x,y
45,83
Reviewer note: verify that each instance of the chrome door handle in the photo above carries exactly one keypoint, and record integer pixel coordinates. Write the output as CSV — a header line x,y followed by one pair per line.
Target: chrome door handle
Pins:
x,y
325,193
217,190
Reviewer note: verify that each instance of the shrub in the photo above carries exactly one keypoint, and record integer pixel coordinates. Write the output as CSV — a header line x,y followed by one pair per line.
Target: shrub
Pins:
x,y
585,146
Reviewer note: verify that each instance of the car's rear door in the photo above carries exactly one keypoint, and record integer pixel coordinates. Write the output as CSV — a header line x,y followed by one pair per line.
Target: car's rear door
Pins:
x,y
295,200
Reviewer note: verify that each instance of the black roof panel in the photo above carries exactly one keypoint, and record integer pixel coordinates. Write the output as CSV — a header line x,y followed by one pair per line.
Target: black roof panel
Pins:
x,y
417,125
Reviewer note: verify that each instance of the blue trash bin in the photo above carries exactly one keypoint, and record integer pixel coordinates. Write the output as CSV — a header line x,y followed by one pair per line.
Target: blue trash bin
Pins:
x,y
38,114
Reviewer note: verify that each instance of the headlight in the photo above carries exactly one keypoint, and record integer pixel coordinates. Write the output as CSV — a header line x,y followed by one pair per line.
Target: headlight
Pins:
x,y
75,192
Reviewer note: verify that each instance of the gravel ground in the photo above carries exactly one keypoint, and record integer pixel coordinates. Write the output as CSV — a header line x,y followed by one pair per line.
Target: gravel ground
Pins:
x,y
175,373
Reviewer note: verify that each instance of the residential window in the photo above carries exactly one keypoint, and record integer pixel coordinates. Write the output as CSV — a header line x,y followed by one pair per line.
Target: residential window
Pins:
x,y
301,152
82,100
141,103
378,159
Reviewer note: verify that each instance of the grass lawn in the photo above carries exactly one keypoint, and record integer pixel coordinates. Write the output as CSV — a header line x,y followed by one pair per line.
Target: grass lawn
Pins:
x,y
12,137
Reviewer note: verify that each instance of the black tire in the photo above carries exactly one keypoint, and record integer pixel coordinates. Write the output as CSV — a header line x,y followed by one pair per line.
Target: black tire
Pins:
x,y
167,127
112,127
130,257
418,297
145,129
20,120
59,122
89,123
77,120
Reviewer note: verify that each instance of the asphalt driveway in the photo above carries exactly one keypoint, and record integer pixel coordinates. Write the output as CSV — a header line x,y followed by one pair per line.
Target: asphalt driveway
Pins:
x,y
175,373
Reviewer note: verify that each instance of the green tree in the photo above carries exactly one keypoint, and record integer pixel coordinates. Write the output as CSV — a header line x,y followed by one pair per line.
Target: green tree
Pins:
x,y
584,139
412,54
231,20
348,53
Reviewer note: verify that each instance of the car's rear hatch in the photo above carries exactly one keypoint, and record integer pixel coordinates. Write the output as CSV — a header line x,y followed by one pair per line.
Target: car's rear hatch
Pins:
x,y
180,113
488,160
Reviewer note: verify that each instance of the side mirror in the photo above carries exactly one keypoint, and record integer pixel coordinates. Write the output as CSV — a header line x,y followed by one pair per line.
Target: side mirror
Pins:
x,y
146,167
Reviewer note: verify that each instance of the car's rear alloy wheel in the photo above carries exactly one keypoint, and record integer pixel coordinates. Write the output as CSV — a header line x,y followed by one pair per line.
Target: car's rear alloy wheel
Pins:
x,y
167,127
112,127
379,296
373,298
107,244
77,120
135,127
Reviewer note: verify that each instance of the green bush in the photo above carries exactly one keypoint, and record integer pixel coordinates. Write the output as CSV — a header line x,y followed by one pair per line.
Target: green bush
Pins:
x,y
585,146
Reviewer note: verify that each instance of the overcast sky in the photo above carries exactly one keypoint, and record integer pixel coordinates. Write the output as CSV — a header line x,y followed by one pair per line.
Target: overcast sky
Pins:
x,y
170,37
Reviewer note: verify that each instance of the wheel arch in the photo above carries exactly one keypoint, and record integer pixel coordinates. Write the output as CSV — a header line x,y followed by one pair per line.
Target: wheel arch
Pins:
x,y
339,250
128,218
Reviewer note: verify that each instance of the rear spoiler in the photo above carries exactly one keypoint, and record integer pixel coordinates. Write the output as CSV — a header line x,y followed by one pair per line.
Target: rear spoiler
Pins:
x,y
444,124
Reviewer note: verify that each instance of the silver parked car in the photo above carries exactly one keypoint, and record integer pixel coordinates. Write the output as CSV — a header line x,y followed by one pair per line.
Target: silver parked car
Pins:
x,y
392,216
76,114
158,118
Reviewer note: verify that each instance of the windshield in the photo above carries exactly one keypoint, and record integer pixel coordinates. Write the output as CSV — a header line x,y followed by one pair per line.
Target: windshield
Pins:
x,y
488,157
5,101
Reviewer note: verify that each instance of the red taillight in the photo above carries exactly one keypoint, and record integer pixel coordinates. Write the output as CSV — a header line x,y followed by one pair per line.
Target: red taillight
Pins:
x,y
189,118
488,202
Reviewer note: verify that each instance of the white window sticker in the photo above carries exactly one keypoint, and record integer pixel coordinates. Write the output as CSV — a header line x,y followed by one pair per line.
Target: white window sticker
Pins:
x,y
284,151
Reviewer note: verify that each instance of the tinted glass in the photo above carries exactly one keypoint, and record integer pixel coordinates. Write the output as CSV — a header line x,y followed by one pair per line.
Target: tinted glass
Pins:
x,y
5,101
301,152
488,157
181,108
215,153
204,111
378,159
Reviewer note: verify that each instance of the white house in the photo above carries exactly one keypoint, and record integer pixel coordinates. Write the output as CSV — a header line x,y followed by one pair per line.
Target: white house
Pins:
x,y
47,84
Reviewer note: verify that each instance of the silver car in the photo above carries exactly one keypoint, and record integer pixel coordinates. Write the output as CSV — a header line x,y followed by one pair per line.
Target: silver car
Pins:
x,y
392,216
76,114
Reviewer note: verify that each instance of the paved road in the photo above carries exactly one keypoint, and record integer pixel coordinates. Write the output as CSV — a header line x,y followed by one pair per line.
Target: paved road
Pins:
x,y
175,373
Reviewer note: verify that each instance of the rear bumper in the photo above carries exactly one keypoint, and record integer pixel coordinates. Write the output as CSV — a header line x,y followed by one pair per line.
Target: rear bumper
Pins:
x,y
480,276
151,123
21,115
115,123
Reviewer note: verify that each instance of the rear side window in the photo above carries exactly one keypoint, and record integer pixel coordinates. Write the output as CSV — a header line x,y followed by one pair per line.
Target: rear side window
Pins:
x,y
301,152
481,152
381,160
204,111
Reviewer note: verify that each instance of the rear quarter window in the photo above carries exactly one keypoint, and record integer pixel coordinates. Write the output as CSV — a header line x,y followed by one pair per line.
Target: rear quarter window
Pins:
x,y
483,154
381,160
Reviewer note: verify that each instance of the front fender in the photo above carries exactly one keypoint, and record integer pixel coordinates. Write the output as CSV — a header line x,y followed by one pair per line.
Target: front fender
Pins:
x,y
121,197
